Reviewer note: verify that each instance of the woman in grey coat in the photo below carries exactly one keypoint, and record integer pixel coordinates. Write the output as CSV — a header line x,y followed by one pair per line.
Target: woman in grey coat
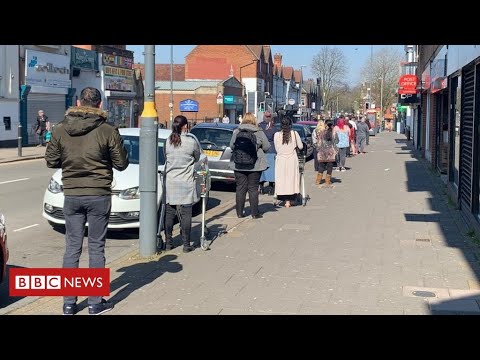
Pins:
x,y
182,152
248,179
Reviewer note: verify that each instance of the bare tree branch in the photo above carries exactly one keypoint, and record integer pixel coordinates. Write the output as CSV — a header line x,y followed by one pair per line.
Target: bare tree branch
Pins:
x,y
386,66
330,65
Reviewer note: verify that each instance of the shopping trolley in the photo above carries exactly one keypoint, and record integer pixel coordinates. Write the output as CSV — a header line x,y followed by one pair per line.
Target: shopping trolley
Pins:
x,y
302,159
204,177
204,182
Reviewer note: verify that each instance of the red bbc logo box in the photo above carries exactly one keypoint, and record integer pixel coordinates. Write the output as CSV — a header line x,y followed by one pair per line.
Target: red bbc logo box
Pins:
x,y
59,282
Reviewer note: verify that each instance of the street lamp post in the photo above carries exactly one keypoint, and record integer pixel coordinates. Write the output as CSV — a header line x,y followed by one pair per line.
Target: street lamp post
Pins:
x,y
381,100
301,85
148,182
171,87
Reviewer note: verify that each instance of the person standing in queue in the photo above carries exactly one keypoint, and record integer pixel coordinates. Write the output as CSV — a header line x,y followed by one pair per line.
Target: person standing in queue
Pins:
x,y
182,152
248,144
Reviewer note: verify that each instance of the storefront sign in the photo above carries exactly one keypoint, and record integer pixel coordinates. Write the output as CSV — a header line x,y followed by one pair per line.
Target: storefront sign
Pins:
x,y
408,99
438,75
408,84
116,60
118,79
84,59
426,78
47,70
189,105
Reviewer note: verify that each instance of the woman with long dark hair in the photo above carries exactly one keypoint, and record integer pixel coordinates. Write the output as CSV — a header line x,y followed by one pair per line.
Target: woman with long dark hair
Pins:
x,y
182,152
287,172
325,143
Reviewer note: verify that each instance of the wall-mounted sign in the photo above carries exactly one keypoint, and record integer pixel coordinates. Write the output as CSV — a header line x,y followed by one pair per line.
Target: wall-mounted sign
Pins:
x,y
84,59
408,99
118,79
228,99
116,60
408,84
46,70
189,105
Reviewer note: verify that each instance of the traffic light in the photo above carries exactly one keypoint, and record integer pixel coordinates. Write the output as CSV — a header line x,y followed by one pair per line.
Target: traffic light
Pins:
x,y
262,106
367,105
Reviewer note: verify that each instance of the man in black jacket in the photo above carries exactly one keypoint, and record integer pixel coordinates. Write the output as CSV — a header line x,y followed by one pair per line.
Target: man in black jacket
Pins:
x,y
87,149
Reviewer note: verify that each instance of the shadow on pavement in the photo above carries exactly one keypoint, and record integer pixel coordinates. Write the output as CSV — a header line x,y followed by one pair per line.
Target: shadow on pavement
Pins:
x,y
453,228
138,275
5,298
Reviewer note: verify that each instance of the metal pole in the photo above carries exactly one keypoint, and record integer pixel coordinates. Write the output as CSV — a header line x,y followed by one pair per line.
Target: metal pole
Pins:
x,y
148,160
171,87
381,101
19,140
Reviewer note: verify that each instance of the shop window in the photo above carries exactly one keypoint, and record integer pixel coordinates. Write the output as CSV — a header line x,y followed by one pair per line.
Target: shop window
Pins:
x,y
456,106
7,121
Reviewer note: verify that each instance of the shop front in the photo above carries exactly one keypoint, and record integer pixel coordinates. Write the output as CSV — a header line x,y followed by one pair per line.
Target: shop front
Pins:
x,y
48,77
120,95
233,107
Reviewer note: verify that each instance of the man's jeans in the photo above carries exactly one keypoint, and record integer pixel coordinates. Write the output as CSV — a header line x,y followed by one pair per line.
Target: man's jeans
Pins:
x,y
78,210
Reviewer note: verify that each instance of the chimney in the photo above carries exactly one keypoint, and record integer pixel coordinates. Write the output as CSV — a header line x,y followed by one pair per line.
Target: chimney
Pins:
x,y
277,60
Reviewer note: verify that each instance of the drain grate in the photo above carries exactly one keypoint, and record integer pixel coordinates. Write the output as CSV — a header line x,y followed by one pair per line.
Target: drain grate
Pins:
x,y
424,294
423,239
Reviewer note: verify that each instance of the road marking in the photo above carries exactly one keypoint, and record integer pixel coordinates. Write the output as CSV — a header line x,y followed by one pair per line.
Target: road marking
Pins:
x,y
11,181
26,227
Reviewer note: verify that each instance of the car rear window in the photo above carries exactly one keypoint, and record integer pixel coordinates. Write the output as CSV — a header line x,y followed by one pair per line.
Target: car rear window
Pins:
x,y
132,144
216,137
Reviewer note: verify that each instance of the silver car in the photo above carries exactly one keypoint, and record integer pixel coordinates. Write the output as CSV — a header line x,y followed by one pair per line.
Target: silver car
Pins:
x,y
215,141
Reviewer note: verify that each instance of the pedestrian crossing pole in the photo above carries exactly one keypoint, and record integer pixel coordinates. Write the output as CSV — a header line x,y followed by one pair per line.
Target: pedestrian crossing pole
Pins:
x,y
148,161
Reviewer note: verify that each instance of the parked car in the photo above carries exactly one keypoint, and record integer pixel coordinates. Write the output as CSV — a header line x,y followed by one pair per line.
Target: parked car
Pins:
x,y
311,124
125,211
305,134
3,248
215,141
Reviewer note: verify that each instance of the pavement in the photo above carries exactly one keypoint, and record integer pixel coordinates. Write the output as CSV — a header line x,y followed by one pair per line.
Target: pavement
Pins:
x,y
385,239
8,155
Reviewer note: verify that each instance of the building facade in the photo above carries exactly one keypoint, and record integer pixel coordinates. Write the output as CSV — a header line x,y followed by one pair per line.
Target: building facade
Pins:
x,y
9,95
450,118
251,64
45,84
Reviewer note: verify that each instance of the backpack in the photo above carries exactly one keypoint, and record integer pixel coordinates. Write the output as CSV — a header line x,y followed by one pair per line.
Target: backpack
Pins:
x,y
245,153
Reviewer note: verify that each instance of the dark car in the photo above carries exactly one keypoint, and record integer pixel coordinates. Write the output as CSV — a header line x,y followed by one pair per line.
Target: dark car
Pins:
x,y
3,248
215,141
311,124
305,134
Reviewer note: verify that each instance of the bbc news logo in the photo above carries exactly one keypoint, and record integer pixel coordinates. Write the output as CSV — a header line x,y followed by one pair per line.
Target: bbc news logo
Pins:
x,y
59,282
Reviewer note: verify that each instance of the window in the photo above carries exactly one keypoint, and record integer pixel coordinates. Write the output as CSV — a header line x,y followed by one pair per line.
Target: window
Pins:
x,y
456,102
132,144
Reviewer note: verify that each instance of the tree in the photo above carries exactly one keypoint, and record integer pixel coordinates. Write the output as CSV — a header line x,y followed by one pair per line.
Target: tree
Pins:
x,y
384,66
330,65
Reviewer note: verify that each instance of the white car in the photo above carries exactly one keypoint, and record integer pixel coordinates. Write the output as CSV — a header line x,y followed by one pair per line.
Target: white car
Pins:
x,y
125,211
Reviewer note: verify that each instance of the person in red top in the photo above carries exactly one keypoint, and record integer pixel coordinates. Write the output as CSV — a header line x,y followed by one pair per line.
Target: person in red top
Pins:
x,y
353,150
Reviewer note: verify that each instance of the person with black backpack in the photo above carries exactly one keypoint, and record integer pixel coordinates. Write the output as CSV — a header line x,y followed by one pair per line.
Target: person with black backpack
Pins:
x,y
248,144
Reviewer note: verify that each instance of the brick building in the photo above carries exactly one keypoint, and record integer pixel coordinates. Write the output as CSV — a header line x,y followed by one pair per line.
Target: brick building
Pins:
x,y
251,64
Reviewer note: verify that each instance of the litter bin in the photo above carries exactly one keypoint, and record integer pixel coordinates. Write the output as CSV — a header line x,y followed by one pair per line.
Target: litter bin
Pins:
x,y
407,132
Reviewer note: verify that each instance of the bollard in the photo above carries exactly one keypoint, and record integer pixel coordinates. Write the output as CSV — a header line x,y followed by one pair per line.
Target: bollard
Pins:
x,y
19,140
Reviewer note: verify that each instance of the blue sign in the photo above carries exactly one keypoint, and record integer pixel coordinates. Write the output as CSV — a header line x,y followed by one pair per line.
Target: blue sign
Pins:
x,y
189,105
228,99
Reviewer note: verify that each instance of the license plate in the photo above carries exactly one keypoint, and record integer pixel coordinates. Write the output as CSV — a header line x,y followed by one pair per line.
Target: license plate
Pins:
x,y
212,153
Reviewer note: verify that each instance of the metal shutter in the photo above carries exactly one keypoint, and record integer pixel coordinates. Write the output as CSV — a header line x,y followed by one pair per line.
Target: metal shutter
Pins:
x,y
52,105
466,136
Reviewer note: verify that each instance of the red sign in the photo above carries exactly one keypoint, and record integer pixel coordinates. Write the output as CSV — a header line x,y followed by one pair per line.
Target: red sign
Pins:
x,y
59,282
408,84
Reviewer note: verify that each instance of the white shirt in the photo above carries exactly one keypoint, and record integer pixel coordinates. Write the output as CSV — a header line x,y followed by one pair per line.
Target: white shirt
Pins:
x,y
354,124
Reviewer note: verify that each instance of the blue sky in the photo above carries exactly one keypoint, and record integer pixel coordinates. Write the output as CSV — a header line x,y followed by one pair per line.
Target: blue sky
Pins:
x,y
293,55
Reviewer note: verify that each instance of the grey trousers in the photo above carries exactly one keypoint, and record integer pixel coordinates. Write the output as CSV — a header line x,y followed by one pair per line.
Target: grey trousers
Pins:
x,y
361,143
78,210
342,153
